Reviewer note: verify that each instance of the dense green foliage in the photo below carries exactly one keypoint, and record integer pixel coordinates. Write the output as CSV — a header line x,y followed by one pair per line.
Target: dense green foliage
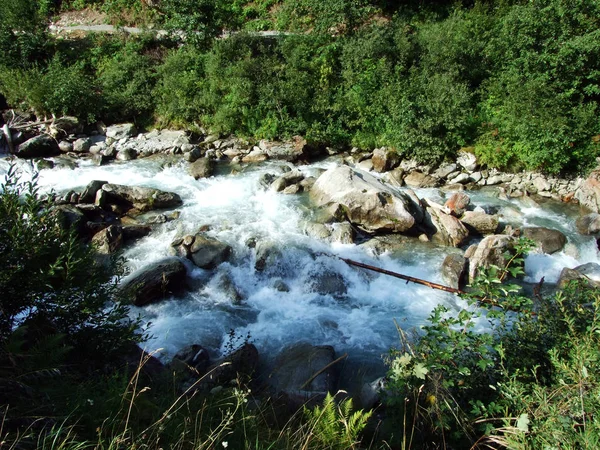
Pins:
x,y
519,81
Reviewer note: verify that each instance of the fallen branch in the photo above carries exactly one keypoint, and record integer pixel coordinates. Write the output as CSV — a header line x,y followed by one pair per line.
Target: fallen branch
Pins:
x,y
32,124
9,141
429,284
319,372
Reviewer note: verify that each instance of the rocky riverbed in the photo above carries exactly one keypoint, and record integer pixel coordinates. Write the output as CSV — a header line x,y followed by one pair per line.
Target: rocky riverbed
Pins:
x,y
234,243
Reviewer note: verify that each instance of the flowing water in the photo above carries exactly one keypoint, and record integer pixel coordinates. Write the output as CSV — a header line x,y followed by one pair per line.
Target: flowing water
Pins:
x,y
237,210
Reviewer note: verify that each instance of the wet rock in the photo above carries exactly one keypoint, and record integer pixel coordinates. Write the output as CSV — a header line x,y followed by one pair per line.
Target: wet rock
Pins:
x,y
193,155
38,147
588,224
384,159
227,287
292,151
420,180
44,164
141,198
109,240
267,179
454,270
155,281
461,178
126,154
82,145
202,168
328,283
317,230
192,359
88,195
267,255
279,285
118,132
448,229
458,203
548,240
296,373
100,160
241,364
365,200
371,393
204,252
291,190
480,222
491,250
135,232
343,233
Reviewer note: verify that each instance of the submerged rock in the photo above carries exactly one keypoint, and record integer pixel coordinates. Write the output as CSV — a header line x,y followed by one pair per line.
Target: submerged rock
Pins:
x,y
204,252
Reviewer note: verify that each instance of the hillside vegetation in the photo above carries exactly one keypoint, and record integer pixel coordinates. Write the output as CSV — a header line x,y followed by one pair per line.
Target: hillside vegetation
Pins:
x,y
517,80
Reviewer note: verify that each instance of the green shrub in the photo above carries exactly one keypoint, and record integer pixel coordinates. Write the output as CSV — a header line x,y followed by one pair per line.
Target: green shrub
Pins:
x,y
48,275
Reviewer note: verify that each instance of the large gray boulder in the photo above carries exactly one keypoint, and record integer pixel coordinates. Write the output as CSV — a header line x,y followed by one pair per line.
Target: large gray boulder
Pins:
x,y
156,281
120,131
418,179
548,240
491,250
366,200
88,195
38,147
449,230
589,273
141,198
588,192
241,364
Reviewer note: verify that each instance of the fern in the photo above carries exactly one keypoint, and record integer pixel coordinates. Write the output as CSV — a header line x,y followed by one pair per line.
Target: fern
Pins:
x,y
335,426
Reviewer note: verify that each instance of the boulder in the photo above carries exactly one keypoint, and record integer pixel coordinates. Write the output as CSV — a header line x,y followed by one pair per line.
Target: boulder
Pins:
x,y
590,273
480,222
70,218
588,193
454,270
343,233
443,171
242,363
466,159
286,180
491,250
588,224
256,155
458,203
297,373
448,229
384,159
366,200
88,195
82,145
156,281
126,154
267,254
204,252
141,198
109,240
395,177
294,150
65,146
202,168
120,131
417,179
135,232
548,240
192,359
38,147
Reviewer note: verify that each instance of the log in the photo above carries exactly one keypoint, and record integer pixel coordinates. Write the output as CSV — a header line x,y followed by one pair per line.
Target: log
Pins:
x,y
429,284
9,141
